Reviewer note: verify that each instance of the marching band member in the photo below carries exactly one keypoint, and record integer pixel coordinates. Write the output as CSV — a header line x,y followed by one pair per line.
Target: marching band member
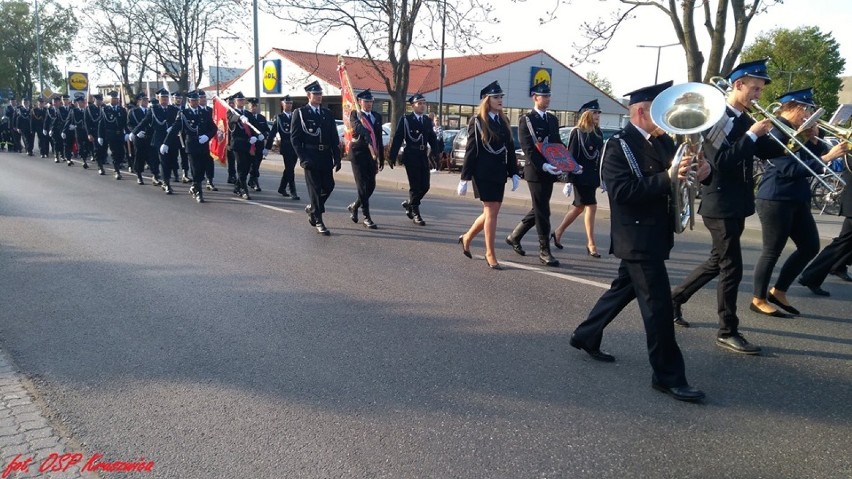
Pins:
x,y
112,130
726,201
141,143
585,144
635,170
364,167
243,142
784,207
210,169
489,159
314,137
533,128
93,114
160,118
259,121
283,124
37,127
417,131
75,131
22,119
195,125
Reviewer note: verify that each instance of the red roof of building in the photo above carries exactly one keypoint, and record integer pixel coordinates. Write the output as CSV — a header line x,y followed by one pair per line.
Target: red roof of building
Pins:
x,y
423,76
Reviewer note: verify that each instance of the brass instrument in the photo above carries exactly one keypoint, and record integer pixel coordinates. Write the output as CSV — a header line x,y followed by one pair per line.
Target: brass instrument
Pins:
x,y
723,85
687,109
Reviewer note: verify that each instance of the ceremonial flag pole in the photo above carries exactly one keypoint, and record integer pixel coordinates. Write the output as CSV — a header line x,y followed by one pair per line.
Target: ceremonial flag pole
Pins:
x,y
347,99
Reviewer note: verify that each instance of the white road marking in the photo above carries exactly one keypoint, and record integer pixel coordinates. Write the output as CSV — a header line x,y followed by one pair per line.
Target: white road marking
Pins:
x,y
257,203
553,274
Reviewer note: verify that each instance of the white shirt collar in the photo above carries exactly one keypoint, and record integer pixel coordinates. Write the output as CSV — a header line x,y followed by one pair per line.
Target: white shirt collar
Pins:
x,y
538,111
644,133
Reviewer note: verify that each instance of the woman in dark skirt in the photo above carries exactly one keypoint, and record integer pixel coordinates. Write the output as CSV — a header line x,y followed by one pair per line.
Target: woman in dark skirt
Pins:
x,y
585,144
489,159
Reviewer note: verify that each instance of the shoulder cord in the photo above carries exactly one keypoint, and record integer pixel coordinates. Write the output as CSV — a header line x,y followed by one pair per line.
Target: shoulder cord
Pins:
x,y
580,136
157,120
631,160
187,125
88,111
408,137
305,127
488,147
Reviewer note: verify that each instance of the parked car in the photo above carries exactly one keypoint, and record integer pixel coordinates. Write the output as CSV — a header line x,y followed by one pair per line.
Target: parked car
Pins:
x,y
565,132
460,143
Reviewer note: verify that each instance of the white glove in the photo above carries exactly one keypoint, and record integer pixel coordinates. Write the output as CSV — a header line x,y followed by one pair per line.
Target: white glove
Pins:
x,y
141,134
132,137
265,152
516,181
252,140
164,149
126,137
169,130
63,135
203,139
72,127
550,169
243,119
260,137
567,189
462,188
44,132
101,141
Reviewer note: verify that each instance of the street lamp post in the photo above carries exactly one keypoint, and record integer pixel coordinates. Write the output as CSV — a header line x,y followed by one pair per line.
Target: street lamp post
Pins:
x,y
256,54
658,47
218,67
38,49
441,88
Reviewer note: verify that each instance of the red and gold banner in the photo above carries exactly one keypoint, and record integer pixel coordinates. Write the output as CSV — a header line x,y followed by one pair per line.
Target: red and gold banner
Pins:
x,y
219,143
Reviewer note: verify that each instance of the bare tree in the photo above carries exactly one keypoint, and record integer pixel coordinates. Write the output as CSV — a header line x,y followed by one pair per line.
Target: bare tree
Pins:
x,y
116,40
682,15
177,34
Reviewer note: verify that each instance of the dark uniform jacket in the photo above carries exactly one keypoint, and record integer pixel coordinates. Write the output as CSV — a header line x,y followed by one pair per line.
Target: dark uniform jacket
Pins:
x,y
240,135
191,124
729,192
419,137
582,146
93,115
315,139
135,117
784,178
846,196
77,119
259,121
55,118
37,118
484,165
360,146
642,227
159,119
22,119
548,129
281,128
113,122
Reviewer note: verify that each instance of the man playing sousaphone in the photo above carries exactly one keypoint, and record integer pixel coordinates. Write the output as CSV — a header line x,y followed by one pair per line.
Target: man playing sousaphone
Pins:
x,y
635,169
726,201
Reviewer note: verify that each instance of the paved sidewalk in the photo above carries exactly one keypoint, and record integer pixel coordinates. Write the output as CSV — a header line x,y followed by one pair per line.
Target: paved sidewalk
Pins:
x,y
444,183
26,433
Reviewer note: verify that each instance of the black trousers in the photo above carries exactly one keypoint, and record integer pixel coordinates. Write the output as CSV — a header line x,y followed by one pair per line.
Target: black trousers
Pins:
x,y
198,165
43,142
834,257
320,183
243,160
232,161
726,262
16,141
780,220
168,163
647,282
142,157
57,144
29,137
288,178
364,169
85,148
210,169
539,214
256,160
117,148
417,170
184,159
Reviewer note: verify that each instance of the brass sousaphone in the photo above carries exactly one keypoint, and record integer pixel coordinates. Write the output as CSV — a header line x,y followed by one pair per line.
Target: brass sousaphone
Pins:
x,y
687,109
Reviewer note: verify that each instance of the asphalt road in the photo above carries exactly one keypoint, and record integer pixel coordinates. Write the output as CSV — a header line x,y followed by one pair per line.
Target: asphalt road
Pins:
x,y
230,340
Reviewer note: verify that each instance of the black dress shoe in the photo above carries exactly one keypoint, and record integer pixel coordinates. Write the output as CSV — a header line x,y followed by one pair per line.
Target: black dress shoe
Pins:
x,y
311,219
596,354
85,165
786,307
678,315
774,314
284,194
368,222
321,229
842,275
353,213
139,181
681,393
464,251
737,344
815,289
516,246
231,180
295,198
211,187
407,207
495,266
593,255
117,175
101,171
555,243
246,196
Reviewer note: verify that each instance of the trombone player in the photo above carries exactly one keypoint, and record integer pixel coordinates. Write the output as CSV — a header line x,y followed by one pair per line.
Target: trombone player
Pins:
x,y
784,202
726,200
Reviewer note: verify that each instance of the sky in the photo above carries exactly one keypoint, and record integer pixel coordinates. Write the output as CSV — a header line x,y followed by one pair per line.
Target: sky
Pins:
x,y
624,64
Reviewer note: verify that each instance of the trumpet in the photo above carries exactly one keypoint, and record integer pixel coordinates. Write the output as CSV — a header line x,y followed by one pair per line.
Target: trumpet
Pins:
x,y
723,85
687,109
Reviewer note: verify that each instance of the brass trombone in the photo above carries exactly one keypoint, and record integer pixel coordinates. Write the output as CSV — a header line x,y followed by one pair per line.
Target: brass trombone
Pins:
x,y
723,85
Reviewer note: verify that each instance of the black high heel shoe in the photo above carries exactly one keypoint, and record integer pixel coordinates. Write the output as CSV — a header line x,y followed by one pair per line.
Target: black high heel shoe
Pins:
x,y
593,255
464,251
555,243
